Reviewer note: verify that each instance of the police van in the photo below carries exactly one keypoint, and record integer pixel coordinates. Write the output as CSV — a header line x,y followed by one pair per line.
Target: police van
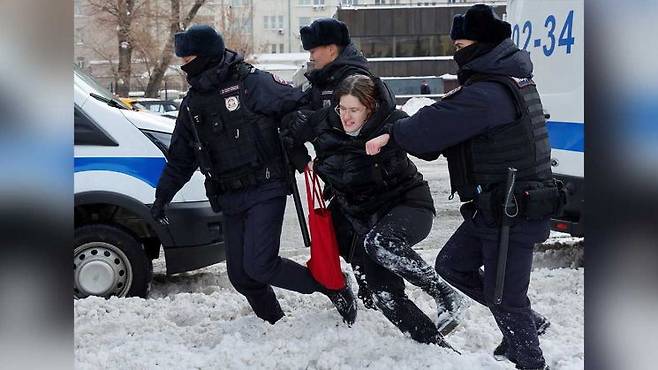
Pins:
x,y
552,31
119,155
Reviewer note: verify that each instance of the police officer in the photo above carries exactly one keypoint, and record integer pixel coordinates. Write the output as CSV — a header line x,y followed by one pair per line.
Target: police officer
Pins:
x,y
333,58
227,127
492,121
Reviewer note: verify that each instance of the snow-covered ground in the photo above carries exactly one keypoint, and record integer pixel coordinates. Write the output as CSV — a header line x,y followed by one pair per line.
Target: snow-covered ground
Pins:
x,y
197,321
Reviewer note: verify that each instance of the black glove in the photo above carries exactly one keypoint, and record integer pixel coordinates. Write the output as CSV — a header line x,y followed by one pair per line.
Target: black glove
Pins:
x,y
158,212
300,128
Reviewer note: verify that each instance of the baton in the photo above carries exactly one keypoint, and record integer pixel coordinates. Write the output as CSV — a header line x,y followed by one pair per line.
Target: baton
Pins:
x,y
503,242
295,195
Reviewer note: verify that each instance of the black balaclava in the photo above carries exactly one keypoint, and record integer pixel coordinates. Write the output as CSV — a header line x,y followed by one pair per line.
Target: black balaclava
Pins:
x,y
197,65
467,54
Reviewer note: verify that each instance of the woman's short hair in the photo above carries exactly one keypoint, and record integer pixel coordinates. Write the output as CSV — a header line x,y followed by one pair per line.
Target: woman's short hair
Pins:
x,y
360,86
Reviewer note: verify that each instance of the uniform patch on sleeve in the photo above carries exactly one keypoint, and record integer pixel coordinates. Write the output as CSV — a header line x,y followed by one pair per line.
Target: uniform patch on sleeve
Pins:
x,y
452,92
280,80
523,82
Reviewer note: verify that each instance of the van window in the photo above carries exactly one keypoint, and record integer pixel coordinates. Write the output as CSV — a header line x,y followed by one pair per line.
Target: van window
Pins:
x,y
86,132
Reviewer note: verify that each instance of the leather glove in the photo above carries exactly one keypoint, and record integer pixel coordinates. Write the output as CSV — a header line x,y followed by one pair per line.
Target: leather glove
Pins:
x,y
300,128
158,212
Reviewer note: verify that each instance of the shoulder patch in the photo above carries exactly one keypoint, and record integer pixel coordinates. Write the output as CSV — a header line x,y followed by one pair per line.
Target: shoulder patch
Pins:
x,y
452,92
280,80
523,82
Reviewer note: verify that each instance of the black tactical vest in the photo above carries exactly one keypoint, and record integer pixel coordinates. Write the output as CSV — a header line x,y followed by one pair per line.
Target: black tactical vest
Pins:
x,y
243,147
522,144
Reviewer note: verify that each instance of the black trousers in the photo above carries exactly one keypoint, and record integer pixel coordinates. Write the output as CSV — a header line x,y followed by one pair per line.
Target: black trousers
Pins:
x,y
252,231
475,244
384,258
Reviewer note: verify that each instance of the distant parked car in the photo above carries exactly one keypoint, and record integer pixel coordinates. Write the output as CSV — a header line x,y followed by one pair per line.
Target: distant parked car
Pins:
x,y
157,105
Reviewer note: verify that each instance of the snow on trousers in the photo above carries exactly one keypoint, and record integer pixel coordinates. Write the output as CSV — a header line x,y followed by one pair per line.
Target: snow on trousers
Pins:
x,y
253,219
386,258
475,244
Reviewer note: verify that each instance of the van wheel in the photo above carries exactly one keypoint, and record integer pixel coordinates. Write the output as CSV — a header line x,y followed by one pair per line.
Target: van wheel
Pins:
x,y
108,261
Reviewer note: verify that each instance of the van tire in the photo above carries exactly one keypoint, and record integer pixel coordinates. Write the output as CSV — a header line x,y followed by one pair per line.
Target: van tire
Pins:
x,y
109,261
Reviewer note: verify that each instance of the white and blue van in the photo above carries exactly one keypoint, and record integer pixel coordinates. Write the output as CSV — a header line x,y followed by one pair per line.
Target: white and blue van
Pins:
x,y
119,155
552,31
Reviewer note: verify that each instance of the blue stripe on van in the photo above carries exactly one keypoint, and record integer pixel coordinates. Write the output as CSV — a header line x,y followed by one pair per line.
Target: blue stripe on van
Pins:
x,y
566,135
147,169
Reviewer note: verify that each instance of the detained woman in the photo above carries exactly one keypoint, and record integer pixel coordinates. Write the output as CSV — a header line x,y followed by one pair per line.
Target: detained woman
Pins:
x,y
381,206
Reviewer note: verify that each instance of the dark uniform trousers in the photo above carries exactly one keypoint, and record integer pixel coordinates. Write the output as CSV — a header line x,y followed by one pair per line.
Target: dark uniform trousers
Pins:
x,y
475,244
384,258
252,229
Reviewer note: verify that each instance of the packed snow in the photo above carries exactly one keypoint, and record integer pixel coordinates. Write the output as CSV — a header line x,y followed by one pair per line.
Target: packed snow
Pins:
x,y
196,320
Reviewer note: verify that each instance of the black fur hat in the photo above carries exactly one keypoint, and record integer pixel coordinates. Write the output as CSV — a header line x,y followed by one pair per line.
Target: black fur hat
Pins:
x,y
324,31
199,40
480,23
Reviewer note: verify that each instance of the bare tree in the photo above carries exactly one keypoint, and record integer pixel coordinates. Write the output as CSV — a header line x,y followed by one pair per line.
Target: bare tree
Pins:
x,y
121,14
235,28
175,25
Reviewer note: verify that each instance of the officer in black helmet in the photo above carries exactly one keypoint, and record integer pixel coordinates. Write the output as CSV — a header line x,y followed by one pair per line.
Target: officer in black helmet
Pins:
x,y
492,122
227,127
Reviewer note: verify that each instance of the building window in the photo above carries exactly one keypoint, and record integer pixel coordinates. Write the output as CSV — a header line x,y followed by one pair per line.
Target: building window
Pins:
x,y
375,47
412,46
273,22
280,48
304,21
273,48
78,36
312,2
77,7
380,2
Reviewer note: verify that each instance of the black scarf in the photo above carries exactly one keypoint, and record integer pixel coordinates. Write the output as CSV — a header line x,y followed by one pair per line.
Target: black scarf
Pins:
x,y
198,65
466,55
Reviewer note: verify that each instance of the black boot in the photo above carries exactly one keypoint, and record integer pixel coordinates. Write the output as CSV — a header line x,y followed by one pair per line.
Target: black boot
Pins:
x,y
450,306
440,341
541,324
365,295
345,303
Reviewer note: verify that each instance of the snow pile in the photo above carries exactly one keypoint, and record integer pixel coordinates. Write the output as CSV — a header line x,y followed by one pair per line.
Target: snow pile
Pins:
x,y
414,104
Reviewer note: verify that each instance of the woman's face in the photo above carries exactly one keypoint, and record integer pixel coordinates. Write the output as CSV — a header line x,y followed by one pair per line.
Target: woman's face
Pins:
x,y
353,114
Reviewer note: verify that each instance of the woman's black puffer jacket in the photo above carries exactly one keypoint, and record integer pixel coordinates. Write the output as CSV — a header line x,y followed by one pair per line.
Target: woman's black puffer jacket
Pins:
x,y
364,186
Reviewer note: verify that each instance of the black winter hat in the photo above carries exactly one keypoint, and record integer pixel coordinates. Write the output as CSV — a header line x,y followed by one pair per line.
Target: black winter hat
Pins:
x,y
199,40
480,23
324,31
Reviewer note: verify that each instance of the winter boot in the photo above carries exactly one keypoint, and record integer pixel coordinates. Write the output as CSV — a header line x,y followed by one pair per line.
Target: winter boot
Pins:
x,y
440,341
345,303
450,306
365,295
541,323
545,367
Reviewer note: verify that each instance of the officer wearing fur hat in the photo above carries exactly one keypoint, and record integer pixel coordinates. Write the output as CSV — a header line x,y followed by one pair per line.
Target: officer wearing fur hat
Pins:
x,y
333,58
493,121
227,127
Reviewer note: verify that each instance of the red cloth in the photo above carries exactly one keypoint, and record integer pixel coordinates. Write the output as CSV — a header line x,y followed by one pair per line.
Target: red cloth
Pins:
x,y
324,263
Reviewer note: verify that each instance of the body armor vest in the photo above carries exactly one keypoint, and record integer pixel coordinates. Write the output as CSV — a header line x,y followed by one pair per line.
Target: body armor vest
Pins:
x,y
242,147
482,162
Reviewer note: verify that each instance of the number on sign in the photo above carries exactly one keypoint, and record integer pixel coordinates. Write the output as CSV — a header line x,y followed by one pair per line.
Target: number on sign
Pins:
x,y
527,26
551,35
515,35
569,39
